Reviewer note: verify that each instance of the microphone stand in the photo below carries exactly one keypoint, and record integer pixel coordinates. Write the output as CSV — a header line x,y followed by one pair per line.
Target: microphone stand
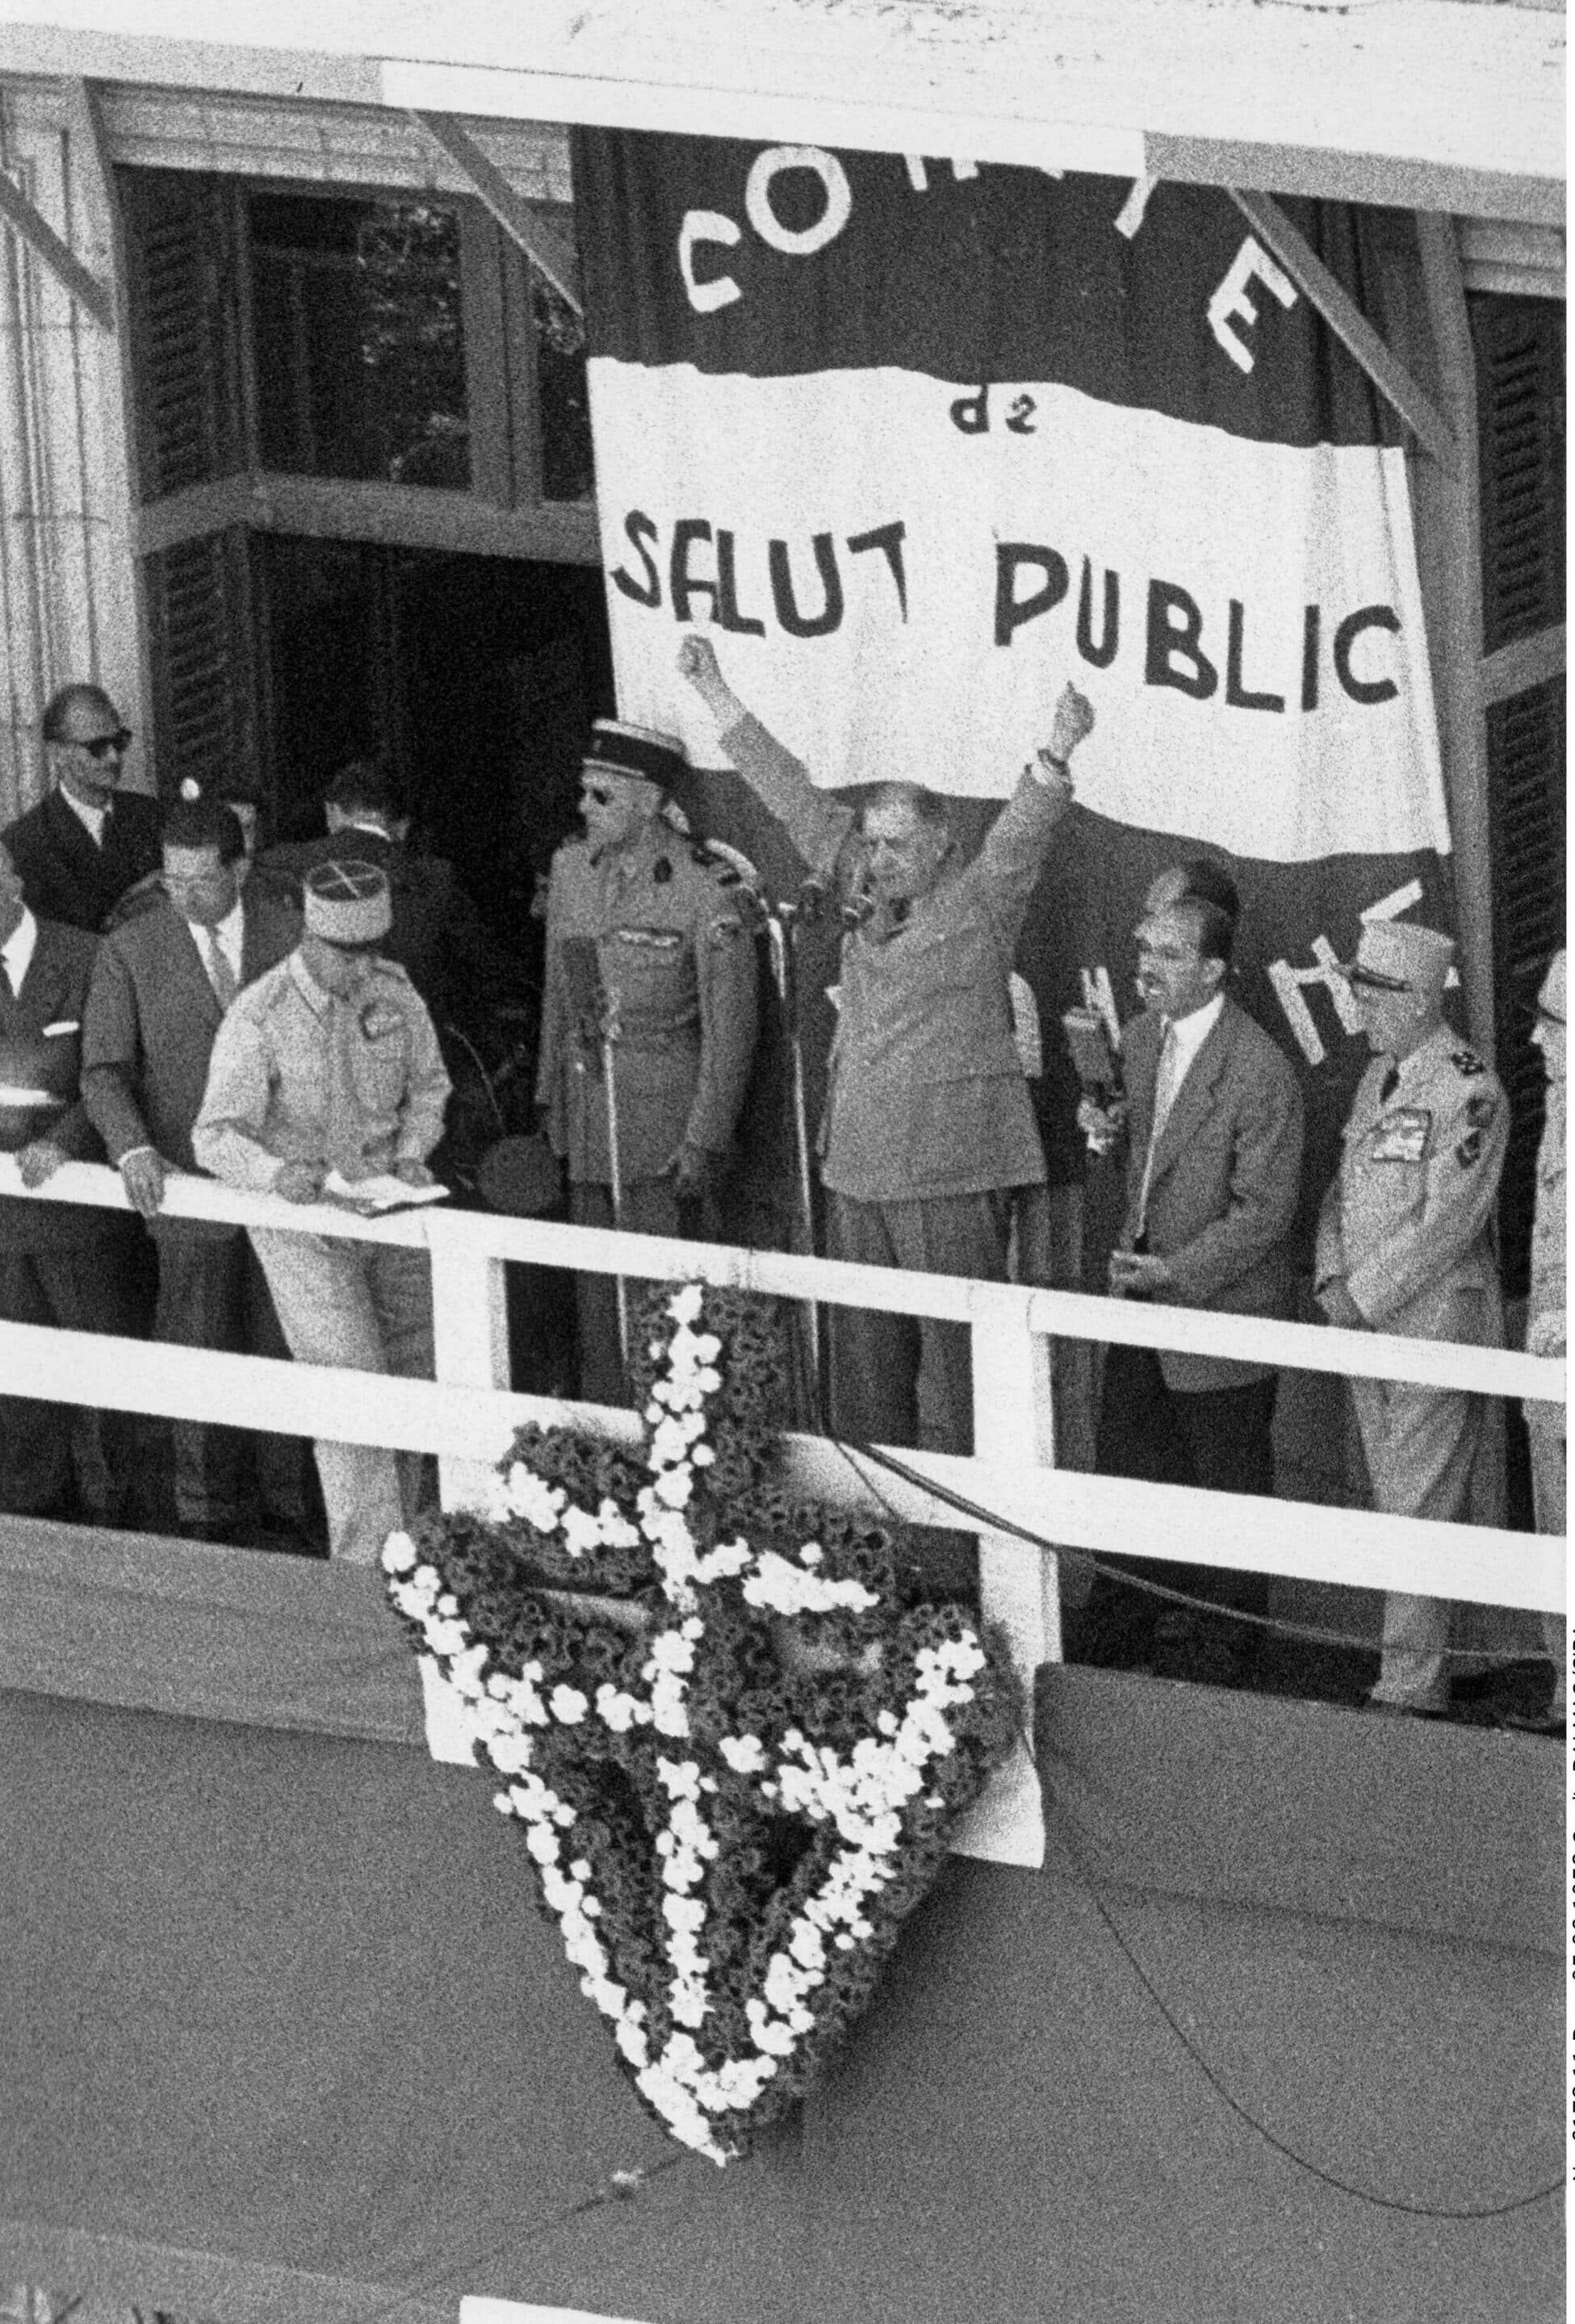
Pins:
x,y
608,1030
782,925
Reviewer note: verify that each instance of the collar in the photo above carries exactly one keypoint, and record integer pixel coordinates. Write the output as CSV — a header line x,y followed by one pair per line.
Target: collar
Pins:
x,y
91,818
1419,1062
318,1002
230,932
17,950
1189,1032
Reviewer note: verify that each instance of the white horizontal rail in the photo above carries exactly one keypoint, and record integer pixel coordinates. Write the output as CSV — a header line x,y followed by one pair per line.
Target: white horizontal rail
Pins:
x,y
471,1235
1299,1540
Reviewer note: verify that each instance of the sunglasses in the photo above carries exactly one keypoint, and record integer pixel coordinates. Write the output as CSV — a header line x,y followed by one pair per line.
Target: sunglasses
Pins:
x,y
104,746
368,945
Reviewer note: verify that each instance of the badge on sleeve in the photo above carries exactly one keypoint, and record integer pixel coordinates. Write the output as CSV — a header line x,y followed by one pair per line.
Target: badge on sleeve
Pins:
x,y
1469,1147
1480,1111
1402,1135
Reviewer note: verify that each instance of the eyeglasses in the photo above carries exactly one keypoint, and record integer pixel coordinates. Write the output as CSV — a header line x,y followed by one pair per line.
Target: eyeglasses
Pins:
x,y
102,746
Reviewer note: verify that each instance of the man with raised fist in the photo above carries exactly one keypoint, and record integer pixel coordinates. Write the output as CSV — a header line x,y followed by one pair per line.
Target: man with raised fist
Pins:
x,y
928,1126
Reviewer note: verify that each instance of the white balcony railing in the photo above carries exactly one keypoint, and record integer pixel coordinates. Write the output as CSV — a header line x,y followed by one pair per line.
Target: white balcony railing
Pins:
x,y
467,1415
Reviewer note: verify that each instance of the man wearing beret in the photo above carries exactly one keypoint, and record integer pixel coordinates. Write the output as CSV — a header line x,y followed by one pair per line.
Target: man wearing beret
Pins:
x,y
676,973
329,1063
1402,1247
60,1263
928,1128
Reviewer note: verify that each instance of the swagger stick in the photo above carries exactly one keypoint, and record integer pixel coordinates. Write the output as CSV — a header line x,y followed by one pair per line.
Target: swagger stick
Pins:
x,y
595,1011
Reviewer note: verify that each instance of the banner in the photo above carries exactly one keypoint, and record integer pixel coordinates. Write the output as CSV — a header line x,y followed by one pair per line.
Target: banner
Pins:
x,y
918,441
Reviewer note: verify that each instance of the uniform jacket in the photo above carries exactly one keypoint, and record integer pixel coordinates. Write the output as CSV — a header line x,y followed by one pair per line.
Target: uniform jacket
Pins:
x,y
438,936
1225,1180
41,1047
267,1100
65,875
153,1015
1545,1308
1407,1219
678,964
926,1095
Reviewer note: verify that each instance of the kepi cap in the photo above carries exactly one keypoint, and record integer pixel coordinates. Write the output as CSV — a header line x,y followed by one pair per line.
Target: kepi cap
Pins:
x,y
1399,956
638,753
348,903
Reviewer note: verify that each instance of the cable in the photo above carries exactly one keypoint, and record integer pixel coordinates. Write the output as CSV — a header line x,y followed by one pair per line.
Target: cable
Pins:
x,y
990,1521
620,2187
1328,2178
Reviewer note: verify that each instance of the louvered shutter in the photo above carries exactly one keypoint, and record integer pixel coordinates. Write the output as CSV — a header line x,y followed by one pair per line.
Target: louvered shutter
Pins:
x,y
201,632
1520,380
182,280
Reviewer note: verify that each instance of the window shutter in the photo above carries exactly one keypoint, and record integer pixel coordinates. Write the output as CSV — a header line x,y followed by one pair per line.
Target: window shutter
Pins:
x,y
183,285
199,595
1520,385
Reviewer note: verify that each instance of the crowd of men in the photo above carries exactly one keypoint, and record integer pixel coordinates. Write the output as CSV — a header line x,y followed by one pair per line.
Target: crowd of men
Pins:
x,y
172,1001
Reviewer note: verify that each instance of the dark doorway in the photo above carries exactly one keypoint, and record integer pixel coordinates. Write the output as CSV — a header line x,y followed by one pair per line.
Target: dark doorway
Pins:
x,y
477,677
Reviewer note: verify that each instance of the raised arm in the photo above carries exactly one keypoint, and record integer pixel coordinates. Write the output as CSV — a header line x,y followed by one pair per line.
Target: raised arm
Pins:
x,y
818,827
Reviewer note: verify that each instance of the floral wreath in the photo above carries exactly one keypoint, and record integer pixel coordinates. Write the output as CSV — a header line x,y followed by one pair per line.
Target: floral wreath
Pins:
x,y
737,1755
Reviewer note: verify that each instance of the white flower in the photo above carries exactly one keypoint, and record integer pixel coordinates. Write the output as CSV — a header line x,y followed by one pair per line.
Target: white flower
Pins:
x,y
530,1497
398,1554
684,1306
568,1704
675,1486
744,1754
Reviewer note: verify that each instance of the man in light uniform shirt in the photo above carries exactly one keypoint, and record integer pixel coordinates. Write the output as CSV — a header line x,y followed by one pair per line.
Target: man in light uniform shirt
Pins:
x,y
329,1063
1402,1247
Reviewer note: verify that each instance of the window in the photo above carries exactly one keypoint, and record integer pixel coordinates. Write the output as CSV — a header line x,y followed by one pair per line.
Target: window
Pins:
x,y
358,335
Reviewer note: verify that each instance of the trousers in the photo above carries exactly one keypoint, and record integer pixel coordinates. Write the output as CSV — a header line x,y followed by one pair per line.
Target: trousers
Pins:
x,y
212,1294
78,1288
1419,1443
366,1306
906,1380
651,1207
1220,1439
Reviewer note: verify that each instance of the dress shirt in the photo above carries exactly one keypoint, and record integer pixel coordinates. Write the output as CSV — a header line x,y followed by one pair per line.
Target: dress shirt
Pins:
x,y
91,818
17,951
1182,1040
229,934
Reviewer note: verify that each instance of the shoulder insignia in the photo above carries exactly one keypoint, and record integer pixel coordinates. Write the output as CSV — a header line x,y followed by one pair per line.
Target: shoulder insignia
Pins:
x,y
1480,1111
1468,1148
1466,1064
661,871
725,929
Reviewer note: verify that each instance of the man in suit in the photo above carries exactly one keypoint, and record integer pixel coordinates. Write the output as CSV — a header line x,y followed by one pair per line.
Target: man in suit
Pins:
x,y
1402,1247
60,1263
160,986
438,936
929,1127
1213,1127
84,844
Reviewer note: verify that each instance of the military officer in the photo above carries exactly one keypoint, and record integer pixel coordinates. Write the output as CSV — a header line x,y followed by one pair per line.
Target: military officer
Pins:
x,y
1546,1320
1402,1247
676,992
328,1063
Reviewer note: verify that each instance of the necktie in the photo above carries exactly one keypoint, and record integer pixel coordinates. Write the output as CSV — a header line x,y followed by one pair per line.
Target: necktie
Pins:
x,y
221,975
1166,1081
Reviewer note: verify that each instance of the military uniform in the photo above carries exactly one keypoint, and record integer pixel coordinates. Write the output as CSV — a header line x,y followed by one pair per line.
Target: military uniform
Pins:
x,y
1406,1223
1546,1321
929,1127
358,1085
678,973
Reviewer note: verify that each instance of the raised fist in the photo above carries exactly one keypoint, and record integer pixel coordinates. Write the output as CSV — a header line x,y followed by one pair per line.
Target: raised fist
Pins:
x,y
698,662
1073,719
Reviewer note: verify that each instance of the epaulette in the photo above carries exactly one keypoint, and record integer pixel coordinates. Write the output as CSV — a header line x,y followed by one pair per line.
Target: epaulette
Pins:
x,y
1466,1064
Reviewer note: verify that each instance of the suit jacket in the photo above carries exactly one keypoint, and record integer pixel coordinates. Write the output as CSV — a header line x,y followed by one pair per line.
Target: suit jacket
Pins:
x,y
926,1095
41,1047
1226,1178
64,875
153,1015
